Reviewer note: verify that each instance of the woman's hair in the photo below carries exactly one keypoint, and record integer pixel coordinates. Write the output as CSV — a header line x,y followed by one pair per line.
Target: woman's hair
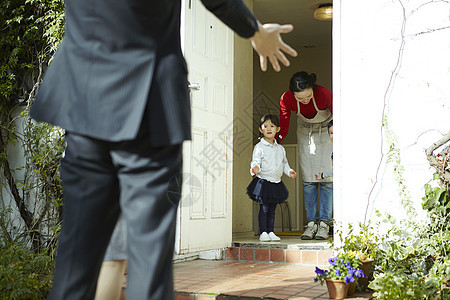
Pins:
x,y
273,118
301,81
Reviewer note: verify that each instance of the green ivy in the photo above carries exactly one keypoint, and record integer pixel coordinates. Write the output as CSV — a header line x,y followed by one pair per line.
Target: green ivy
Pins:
x,y
393,157
414,258
31,195
396,285
31,30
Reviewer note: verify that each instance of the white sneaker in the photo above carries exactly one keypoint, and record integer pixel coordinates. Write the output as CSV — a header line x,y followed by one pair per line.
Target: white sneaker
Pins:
x,y
264,237
310,231
273,237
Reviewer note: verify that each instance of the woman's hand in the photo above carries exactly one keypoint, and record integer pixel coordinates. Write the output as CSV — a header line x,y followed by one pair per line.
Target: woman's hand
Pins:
x,y
292,174
318,176
267,43
255,170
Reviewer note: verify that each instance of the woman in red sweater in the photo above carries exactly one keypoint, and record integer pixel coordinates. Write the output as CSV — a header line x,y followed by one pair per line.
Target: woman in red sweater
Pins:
x,y
314,107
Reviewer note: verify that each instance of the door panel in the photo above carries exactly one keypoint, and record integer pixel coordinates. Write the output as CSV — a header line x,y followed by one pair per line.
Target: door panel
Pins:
x,y
205,210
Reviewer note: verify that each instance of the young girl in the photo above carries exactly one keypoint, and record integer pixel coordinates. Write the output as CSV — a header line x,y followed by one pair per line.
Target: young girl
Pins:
x,y
268,163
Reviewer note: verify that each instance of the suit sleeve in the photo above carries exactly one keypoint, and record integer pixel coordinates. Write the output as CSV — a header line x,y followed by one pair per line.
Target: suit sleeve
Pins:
x,y
235,14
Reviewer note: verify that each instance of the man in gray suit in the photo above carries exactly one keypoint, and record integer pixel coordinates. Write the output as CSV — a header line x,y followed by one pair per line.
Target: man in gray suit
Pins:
x,y
118,86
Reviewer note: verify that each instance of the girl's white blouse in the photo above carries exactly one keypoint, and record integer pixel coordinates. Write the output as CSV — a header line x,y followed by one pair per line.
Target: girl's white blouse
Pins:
x,y
271,160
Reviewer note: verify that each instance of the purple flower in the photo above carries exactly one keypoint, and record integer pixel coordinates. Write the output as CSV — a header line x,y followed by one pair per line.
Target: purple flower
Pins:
x,y
359,273
320,271
332,261
349,279
321,274
338,273
348,266
351,272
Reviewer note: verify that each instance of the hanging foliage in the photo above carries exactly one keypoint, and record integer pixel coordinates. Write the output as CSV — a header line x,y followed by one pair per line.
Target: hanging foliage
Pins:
x,y
30,207
414,258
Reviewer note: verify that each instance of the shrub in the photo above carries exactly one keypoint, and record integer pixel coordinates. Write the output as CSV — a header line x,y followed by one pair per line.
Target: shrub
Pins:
x,y
23,273
413,261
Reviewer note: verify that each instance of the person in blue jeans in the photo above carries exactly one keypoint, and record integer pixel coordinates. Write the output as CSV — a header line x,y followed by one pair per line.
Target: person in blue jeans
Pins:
x,y
313,105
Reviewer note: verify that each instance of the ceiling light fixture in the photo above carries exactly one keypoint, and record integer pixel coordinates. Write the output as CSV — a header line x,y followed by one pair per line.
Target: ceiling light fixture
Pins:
x,y
324,12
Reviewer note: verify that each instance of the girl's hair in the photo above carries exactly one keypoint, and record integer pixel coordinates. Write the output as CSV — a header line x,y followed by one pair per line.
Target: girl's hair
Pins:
x,y
272,118
301,81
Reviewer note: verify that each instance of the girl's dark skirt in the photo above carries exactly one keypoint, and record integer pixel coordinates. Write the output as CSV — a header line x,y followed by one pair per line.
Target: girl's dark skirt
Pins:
x,y
266,192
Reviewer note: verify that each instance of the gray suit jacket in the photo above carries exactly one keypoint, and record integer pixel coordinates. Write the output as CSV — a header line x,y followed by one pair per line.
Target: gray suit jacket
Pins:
x,y
121,58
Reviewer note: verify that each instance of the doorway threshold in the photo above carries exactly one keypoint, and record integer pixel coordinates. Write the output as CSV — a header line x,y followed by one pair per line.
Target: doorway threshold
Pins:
x,y
287,242
290,249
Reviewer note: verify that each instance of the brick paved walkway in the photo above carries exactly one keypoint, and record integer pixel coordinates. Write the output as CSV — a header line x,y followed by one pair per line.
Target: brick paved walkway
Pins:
x,y
218,279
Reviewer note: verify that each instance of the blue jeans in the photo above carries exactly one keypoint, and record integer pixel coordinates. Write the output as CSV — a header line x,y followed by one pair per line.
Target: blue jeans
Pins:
x,y
310,196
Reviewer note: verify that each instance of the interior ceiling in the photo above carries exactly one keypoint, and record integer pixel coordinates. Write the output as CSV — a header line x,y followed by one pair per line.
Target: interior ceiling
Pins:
x,y
308,32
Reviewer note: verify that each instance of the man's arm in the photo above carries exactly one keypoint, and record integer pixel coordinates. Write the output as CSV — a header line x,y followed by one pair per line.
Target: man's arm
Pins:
x,y
266,39
268,44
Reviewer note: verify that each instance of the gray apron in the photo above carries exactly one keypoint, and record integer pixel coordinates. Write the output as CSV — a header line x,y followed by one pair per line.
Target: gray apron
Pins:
x,y
314,144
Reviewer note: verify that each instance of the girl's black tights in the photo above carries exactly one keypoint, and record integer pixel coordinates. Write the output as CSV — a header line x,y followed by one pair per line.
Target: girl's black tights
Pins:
x,y
266,217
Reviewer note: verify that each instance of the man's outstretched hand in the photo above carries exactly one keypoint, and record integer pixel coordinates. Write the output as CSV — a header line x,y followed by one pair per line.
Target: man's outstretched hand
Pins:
x,y
268,44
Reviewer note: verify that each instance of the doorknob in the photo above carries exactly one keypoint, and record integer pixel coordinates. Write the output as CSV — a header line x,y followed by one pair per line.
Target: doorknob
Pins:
x,y
194,86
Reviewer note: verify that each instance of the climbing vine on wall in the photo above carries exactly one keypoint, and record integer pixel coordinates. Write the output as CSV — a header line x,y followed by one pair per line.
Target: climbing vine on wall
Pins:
x,y
414,257
30,207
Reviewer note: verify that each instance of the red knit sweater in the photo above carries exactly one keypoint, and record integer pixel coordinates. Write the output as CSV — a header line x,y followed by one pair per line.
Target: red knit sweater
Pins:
x,y
324,100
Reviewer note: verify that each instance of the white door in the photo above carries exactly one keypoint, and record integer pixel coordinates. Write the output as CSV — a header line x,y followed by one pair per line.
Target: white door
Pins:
x,y
205,209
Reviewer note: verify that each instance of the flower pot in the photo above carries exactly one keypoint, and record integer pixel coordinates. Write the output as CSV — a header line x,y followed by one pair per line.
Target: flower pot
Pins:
x,y
365,267
337,289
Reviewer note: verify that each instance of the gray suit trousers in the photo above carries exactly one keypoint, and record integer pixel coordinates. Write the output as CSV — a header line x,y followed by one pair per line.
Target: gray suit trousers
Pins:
x,y
100,179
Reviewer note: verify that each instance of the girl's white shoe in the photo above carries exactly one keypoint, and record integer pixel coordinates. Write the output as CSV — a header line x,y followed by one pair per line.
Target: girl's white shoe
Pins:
x,y
273,237
264,237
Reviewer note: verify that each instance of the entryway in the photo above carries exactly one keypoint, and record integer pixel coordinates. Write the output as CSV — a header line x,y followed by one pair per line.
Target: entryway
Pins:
x,y
313,40
214,204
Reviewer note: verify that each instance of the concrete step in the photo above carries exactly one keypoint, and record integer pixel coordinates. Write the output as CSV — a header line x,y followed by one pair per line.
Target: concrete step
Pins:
x,y
290,250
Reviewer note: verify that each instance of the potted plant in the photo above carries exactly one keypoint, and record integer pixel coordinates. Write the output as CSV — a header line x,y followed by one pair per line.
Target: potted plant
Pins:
x,y
365,242
343,270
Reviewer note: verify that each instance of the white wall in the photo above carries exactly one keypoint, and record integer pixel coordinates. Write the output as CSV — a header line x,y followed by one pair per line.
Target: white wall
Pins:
x,y
378,69
16,160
